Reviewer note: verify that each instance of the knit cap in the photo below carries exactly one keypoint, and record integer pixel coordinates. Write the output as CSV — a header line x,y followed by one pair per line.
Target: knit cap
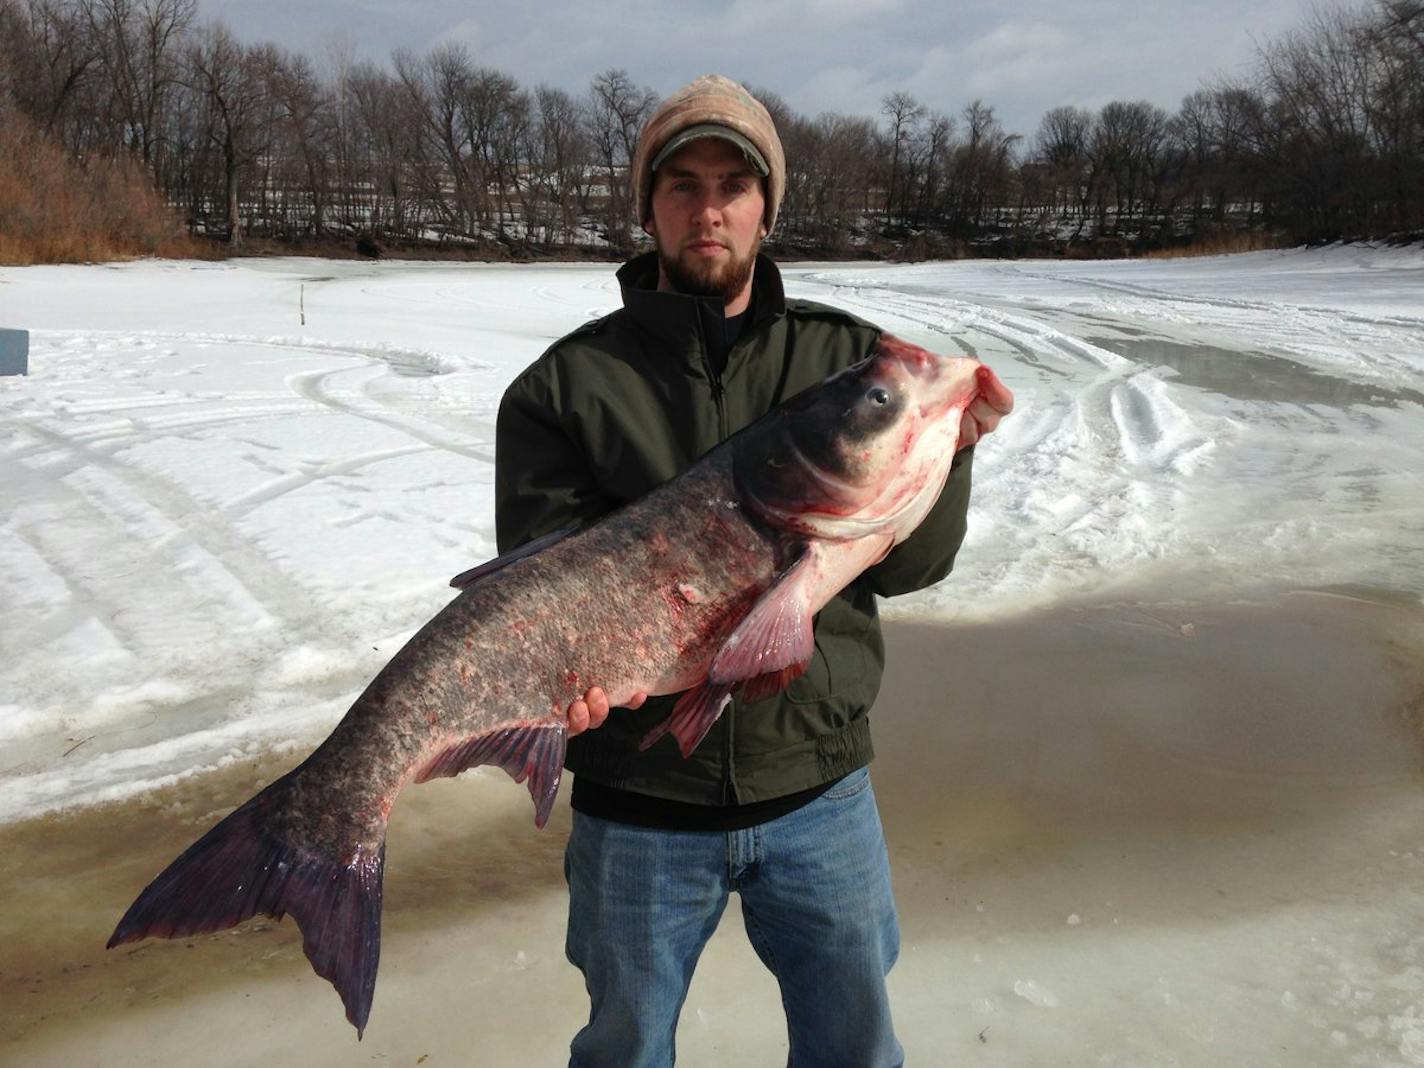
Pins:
x,y
711,106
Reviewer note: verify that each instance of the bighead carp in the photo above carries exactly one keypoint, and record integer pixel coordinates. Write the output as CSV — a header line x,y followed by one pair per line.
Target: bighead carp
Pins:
x,y
710,581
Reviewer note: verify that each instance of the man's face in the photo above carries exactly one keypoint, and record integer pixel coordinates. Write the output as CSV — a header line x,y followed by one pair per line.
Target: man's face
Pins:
x,y
706,217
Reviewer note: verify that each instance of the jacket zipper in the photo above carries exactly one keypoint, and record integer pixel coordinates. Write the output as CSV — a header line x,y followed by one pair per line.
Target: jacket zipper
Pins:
x,y
729,787
729,783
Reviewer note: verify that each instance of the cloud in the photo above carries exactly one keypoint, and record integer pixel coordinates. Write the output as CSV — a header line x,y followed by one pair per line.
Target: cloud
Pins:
x,y
843,11
847,89
1014,40
784,21
820,55
466,31
1021,55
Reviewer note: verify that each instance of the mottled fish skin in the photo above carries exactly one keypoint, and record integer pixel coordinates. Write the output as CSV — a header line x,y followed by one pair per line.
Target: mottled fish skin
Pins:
x,y
621,605
707,584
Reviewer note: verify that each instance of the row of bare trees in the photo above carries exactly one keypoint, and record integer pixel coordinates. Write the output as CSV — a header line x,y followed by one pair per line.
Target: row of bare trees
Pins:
x,y
1324,140
250,138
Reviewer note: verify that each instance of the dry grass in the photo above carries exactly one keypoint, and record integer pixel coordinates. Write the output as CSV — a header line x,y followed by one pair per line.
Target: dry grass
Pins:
x,y
54,209
1221,244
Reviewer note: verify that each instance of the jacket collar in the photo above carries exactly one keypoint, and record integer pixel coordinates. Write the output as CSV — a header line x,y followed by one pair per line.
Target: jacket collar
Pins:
x,y
674,319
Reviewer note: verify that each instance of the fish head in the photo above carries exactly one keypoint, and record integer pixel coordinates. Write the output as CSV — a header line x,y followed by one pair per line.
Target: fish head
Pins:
x,y
864,452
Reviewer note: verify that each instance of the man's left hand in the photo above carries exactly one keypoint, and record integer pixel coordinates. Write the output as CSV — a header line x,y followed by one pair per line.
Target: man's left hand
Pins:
x,y
590,710
994,401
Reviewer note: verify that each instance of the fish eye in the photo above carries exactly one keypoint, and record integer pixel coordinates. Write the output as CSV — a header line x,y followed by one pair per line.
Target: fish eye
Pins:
x,y
878,395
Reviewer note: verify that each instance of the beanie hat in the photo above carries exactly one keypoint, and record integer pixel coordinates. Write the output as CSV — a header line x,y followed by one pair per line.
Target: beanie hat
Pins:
x,y
711,106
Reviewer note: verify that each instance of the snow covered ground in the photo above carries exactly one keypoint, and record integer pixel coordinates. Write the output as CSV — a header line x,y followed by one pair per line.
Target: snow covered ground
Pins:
x,y
217,522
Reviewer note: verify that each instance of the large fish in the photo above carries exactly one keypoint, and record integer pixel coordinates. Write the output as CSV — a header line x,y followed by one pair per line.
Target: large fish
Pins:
x,y
707,585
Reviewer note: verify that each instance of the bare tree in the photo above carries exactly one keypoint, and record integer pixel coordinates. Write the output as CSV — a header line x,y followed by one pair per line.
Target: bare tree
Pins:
x,y
1396,45
1319,77
980,172
903,113
1061,147
306,112
554,157
494,113
617,110
140,63
230,78
937,146
436,87
51,58
392,152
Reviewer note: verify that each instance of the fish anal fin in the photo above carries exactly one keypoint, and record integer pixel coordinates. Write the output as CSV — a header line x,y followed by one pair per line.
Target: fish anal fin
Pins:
x,y
532,752
529,548
691,717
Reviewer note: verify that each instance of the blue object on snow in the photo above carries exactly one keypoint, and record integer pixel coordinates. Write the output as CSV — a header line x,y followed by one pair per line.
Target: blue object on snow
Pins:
x,y
14,352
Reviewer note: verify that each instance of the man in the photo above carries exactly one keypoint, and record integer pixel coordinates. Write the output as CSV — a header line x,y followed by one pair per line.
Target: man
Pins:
x,y
776,802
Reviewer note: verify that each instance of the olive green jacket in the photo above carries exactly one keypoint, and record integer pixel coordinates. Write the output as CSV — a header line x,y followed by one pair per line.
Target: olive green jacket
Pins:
x,y
628,401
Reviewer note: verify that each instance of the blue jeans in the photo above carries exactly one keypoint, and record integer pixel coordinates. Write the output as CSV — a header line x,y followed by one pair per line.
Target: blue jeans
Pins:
x,y
815,889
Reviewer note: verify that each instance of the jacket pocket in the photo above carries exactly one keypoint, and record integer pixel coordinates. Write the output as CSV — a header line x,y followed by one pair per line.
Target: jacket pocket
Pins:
x,y
815,685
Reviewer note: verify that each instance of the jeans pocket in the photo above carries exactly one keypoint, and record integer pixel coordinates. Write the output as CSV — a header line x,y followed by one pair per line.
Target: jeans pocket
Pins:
x,y
854,783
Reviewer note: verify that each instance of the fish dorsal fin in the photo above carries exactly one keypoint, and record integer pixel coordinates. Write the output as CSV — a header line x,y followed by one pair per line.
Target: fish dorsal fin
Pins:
x,y
532,751
529,548
691,718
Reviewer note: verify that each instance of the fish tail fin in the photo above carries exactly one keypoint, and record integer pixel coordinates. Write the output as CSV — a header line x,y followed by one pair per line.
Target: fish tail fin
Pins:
x,y
241,868
691,718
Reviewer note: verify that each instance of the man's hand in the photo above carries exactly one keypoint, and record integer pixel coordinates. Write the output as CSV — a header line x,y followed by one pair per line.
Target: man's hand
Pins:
x,y
983,414
591,710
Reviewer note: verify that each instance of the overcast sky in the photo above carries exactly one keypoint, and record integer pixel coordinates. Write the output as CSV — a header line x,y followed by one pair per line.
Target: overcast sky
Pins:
x,y
820,55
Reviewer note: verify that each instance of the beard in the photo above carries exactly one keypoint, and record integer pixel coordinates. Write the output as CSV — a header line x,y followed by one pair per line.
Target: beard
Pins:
x,y
700,278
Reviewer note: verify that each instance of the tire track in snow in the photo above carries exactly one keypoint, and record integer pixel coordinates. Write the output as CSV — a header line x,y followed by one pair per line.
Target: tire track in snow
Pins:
x,y
393,355
1272,308
1298,331
319,387
195,523
291,482
313,394
125,433
1116,413
1100,422
164,575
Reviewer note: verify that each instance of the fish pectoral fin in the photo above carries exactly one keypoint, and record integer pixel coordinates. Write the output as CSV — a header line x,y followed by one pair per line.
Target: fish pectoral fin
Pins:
x,y
528,751
529,548
764,686
691,718
776,633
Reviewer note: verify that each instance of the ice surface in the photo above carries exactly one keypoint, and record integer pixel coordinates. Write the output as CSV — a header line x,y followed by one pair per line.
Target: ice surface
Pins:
x,y
1036,994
